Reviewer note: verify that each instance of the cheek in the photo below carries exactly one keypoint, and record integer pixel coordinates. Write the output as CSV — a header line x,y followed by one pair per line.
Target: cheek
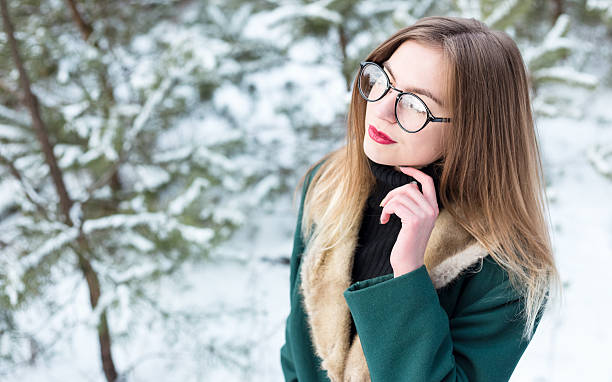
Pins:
x,y
368,112
434,141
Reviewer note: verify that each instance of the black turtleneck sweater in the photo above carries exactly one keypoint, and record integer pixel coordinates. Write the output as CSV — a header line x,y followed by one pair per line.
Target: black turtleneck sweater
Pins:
x,y
375,242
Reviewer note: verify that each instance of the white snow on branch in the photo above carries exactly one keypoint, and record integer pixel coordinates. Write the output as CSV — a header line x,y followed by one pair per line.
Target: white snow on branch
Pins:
x,y
263,188
601,158
287,12
149,177
231,214
136,240
12,133
470,8
172,155
11,115
199,235
153,102
72,111
233,22
158,222
13,271
146,112
501,11
206,156
26,187
554,41
567,75
178,205
600,6
52,244
558,30
124,221
67,154
7,188
119,294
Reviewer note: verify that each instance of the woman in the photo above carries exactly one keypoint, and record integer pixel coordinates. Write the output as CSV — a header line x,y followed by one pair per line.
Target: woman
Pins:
x,y
422,252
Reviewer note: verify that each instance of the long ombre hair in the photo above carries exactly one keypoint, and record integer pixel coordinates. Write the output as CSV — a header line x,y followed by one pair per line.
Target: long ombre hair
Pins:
x,y
492,178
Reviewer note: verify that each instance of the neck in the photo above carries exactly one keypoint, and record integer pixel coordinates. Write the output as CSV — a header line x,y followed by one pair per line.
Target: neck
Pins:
x,y
396,168
389,177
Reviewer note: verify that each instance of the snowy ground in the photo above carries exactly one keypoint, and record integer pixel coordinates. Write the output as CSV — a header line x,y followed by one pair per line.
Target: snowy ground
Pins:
x,y
574,342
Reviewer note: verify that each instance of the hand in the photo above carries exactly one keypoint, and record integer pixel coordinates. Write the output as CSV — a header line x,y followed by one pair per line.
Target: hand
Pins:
x,y
418,213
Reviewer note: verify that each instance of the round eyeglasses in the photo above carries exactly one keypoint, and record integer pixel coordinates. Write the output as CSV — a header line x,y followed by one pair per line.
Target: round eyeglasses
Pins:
x,y
411,112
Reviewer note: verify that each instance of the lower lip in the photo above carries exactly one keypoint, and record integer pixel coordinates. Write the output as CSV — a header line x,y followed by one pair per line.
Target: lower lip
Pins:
x,y
379,137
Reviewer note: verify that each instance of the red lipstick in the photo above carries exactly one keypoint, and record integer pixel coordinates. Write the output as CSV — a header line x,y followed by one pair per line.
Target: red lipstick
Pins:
x,y
379,136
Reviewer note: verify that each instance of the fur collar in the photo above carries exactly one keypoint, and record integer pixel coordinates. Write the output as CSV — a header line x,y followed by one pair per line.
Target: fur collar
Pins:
x,y
325,276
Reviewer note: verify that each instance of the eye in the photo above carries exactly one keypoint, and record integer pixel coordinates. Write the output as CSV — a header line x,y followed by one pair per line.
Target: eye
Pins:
x,y
390,77
410,102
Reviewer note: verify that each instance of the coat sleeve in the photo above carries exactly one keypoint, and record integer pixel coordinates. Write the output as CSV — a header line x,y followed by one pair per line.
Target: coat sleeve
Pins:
x,y
286,356
406,335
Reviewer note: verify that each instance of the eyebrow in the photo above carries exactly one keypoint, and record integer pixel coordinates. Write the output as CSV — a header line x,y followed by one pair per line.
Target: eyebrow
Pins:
x,y
414,89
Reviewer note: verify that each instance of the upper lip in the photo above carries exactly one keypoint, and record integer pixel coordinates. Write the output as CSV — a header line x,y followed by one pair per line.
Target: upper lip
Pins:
x,y
381,133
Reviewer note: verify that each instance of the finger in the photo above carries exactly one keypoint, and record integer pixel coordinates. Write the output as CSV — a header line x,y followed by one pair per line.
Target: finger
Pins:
x,y
404,209
398,190
427,184
415,195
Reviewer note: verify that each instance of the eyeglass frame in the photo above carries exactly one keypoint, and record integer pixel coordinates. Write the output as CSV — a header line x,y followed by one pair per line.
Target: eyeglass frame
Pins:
x,y
400,93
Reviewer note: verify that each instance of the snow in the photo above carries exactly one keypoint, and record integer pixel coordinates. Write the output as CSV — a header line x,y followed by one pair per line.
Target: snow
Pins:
x,y
178,205
500,12
566,74
148,177
598,155
288,11
12,133
470,8
57,242
8,187
224,319
583,248
144,75
573,343
21,118
67,155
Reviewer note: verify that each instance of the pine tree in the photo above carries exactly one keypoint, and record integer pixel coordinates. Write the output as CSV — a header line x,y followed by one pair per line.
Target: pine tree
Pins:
x,y
121,90
544,48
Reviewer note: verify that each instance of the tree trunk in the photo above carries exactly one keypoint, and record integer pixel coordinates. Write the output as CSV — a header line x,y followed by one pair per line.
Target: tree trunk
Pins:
x,y
85,266
104,337
343,43
32,104
558,9
84,27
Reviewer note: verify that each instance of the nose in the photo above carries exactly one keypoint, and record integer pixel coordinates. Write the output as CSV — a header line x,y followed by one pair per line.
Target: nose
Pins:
x,y
385,107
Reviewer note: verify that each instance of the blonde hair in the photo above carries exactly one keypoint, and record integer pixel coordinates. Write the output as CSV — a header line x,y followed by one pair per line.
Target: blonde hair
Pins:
x,y
492,178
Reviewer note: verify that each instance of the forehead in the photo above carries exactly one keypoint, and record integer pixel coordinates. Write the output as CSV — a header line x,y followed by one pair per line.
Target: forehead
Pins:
x,y
415,65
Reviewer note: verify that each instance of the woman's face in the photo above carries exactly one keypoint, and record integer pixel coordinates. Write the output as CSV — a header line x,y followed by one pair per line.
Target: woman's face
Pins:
x,y
412,67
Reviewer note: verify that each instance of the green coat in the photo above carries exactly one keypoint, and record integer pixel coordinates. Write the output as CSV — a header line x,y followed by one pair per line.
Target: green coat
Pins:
x,y
452,319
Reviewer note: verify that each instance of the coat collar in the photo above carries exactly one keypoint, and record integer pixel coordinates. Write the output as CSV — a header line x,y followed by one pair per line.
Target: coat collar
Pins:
x,y
326,275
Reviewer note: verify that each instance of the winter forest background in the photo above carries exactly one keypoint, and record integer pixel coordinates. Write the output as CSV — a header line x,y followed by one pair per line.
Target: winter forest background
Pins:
x,y
149,151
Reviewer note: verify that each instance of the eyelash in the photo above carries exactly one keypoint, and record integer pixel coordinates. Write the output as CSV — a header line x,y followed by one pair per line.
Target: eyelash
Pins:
x,y
390,76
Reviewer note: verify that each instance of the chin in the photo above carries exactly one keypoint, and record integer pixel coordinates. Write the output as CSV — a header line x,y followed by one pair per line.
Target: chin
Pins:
x,y
378,158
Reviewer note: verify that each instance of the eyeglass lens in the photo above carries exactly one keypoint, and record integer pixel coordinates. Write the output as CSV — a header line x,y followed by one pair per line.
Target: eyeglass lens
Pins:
x,y
411,111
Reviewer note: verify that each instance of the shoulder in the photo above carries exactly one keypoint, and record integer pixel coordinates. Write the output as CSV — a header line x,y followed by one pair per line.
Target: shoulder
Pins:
x,y
315,168
308,176
485,284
